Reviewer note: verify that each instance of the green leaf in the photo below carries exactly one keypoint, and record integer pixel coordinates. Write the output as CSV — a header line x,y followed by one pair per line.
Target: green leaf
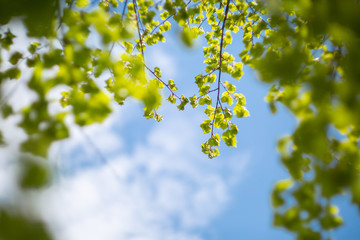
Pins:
x,y
211,78
128,46
187,37
241,111
205,100
2,142
227,114
35,174
171,98
171,85
205,148
165,27
148,114
93,109
157,72
209,111
240,98
114,3
33,46
15,57
82,3
7,41
214,141
13,73
330,221
164,15
227,98
158,117
7,110
204,89
199,80
193,101
283,185
213,153
220,121
229,138
205,126
230,87
184,101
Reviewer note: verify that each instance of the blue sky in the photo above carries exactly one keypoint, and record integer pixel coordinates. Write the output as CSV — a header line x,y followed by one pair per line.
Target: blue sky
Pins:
x,y
156,184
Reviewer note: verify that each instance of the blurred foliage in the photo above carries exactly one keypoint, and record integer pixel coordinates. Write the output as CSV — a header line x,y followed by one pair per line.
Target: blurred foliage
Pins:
x,y
38,15
15,226
308,51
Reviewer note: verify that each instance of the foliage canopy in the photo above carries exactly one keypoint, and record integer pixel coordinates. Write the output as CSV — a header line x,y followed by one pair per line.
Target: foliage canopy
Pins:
x,y
308,51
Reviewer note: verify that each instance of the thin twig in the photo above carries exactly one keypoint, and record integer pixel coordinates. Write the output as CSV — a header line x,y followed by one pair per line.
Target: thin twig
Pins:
x,y
172,15
138,28
161,23
124,8
112,47
61,18
206,93
152,72
6,98
253,12
202,22
98,152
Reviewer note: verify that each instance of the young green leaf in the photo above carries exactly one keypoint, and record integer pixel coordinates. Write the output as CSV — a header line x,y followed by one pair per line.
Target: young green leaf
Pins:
x,y
205,126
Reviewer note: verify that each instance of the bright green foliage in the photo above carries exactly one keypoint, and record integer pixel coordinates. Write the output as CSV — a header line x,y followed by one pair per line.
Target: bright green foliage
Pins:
x,y
227,98
82,3
172,98
183,102
214,141
157,72
308,51
206,125
205,100
193,101
229,138
172,85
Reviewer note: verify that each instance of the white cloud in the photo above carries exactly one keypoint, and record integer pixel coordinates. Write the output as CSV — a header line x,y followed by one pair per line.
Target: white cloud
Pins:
x,y
164,189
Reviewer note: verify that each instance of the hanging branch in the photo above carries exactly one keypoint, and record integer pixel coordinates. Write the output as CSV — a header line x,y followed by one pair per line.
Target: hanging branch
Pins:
x,y
220,58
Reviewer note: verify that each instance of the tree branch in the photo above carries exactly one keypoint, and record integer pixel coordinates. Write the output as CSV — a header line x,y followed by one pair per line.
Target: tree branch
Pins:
x,y
138,28
219,78
172,92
